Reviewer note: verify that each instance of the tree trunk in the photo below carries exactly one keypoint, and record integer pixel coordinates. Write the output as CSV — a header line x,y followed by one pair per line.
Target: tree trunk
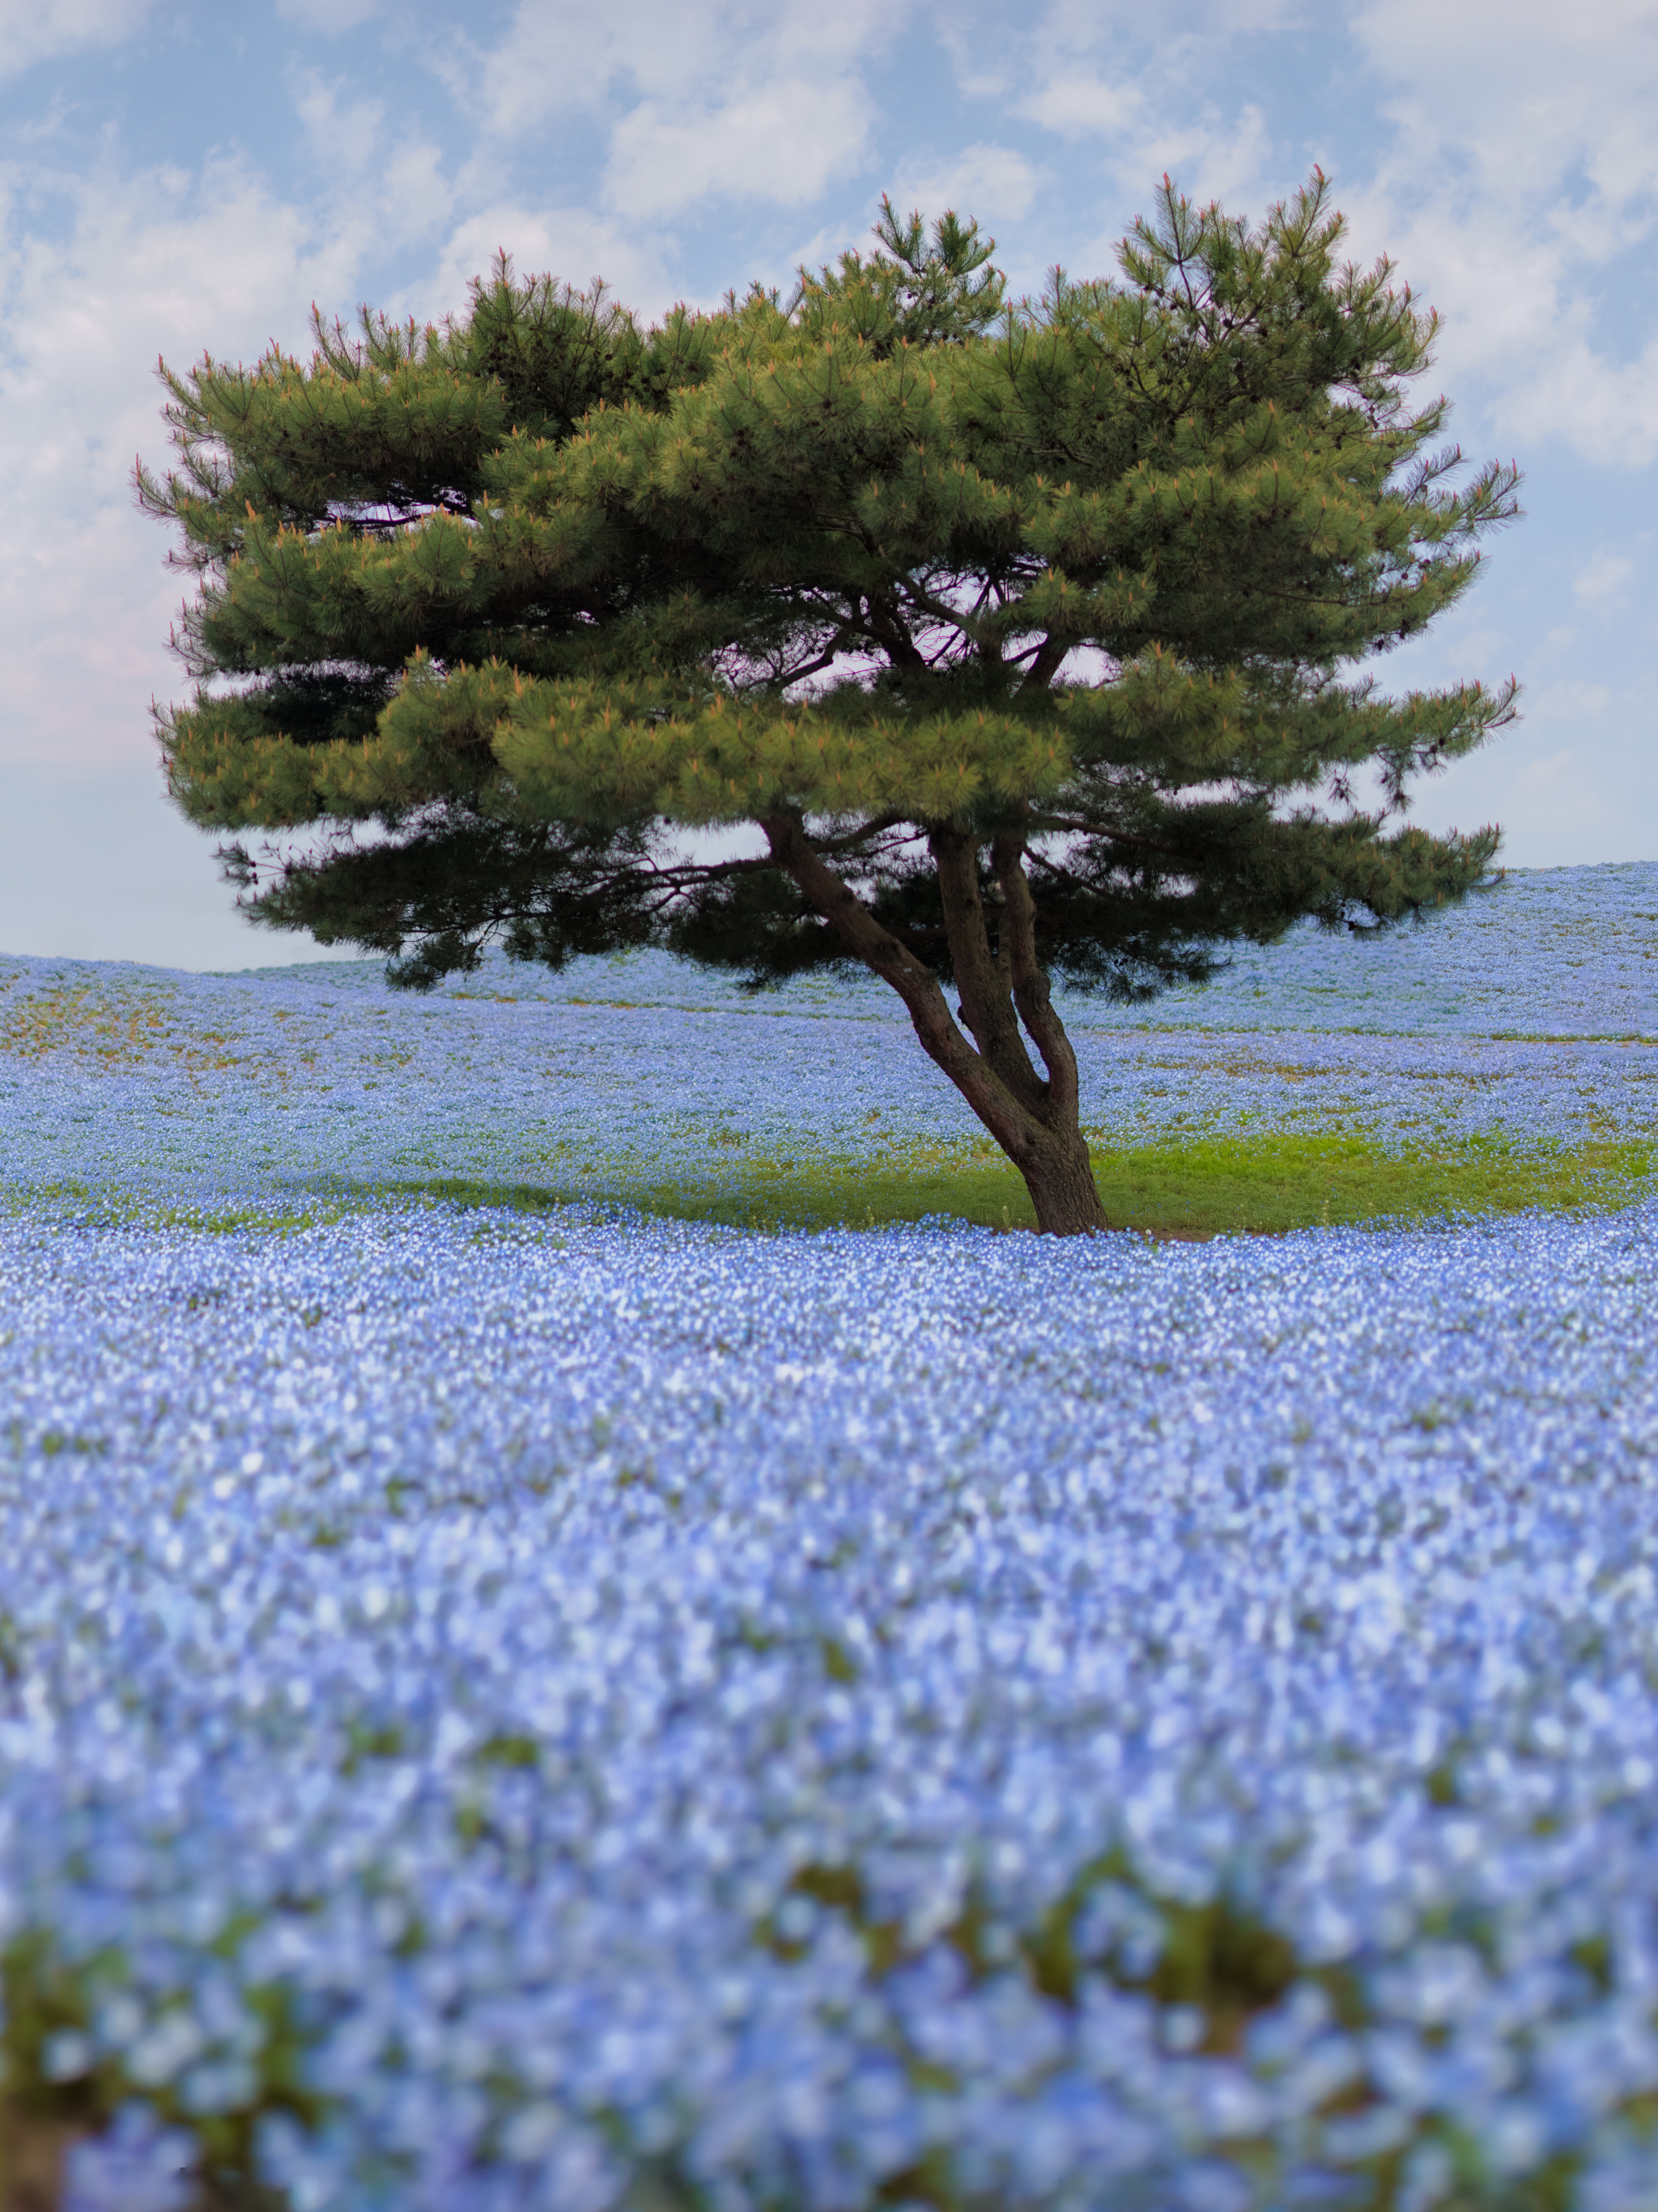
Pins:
x,y
32,2154
1060,1176
1033,1119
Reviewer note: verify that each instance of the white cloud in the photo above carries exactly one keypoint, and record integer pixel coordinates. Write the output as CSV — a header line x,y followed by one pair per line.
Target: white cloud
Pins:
x,y
1517,82
1550,775
1606,410
784,141
31,33
347,134
1211,156
700,98
1515,181
1602,576
571,244
330,17
553,59
1559,774
1084,24
994,183
1078,104
1140,114
397,190
163,261
1505,153
983,68
1524,173
156,264
552,62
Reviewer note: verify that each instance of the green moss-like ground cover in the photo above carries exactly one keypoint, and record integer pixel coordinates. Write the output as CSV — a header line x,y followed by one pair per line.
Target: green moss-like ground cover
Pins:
x,y
1260,1183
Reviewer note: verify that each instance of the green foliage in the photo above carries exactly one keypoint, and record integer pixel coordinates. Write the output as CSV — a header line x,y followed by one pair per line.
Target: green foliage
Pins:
x,y
913,294
535,587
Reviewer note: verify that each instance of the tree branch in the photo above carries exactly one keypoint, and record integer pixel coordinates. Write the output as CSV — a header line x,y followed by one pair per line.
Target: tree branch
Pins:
x,y
1046,822
1050,654
1008,1121
1030,977
890,634
985,1000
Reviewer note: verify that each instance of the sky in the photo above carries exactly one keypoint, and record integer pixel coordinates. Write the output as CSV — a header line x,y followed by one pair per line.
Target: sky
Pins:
x,y
181,178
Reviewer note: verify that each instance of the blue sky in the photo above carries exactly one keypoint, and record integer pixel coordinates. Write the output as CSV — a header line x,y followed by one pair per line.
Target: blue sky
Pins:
x,y
175,178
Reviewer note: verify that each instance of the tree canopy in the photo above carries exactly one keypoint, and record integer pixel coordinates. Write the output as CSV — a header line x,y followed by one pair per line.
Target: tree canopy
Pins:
x,y
1029,638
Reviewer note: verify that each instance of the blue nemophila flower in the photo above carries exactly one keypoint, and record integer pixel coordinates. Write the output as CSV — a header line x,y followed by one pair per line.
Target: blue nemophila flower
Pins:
x,y
1529,1013
578,1712
607,1698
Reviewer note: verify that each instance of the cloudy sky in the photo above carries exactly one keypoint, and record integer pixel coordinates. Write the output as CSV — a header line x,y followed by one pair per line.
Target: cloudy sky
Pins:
x,y
180,176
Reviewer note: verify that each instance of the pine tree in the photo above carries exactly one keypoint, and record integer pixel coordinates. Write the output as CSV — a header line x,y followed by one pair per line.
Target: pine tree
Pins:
x,y
1028,636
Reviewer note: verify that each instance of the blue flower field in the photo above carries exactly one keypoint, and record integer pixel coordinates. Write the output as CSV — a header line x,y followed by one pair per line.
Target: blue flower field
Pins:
x,y
568,1711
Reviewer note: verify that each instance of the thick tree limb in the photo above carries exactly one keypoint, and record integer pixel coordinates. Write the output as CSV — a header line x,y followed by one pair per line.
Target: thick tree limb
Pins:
x,y
985,1000
1008,1122
884,625
1050,656
1029,978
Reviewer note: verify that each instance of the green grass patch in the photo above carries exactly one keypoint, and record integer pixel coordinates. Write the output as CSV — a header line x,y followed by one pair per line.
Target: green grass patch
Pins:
x,y
1258,1184
230,1220
1186,1184
122,1208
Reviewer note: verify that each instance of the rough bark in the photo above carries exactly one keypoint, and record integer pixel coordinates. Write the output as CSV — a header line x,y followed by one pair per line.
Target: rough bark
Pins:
x,y
1060,1176
32,2154
1033,1118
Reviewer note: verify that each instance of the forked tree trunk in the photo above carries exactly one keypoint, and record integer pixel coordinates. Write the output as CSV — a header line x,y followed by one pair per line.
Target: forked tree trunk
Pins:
x,y
1059,1177
1034,1118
